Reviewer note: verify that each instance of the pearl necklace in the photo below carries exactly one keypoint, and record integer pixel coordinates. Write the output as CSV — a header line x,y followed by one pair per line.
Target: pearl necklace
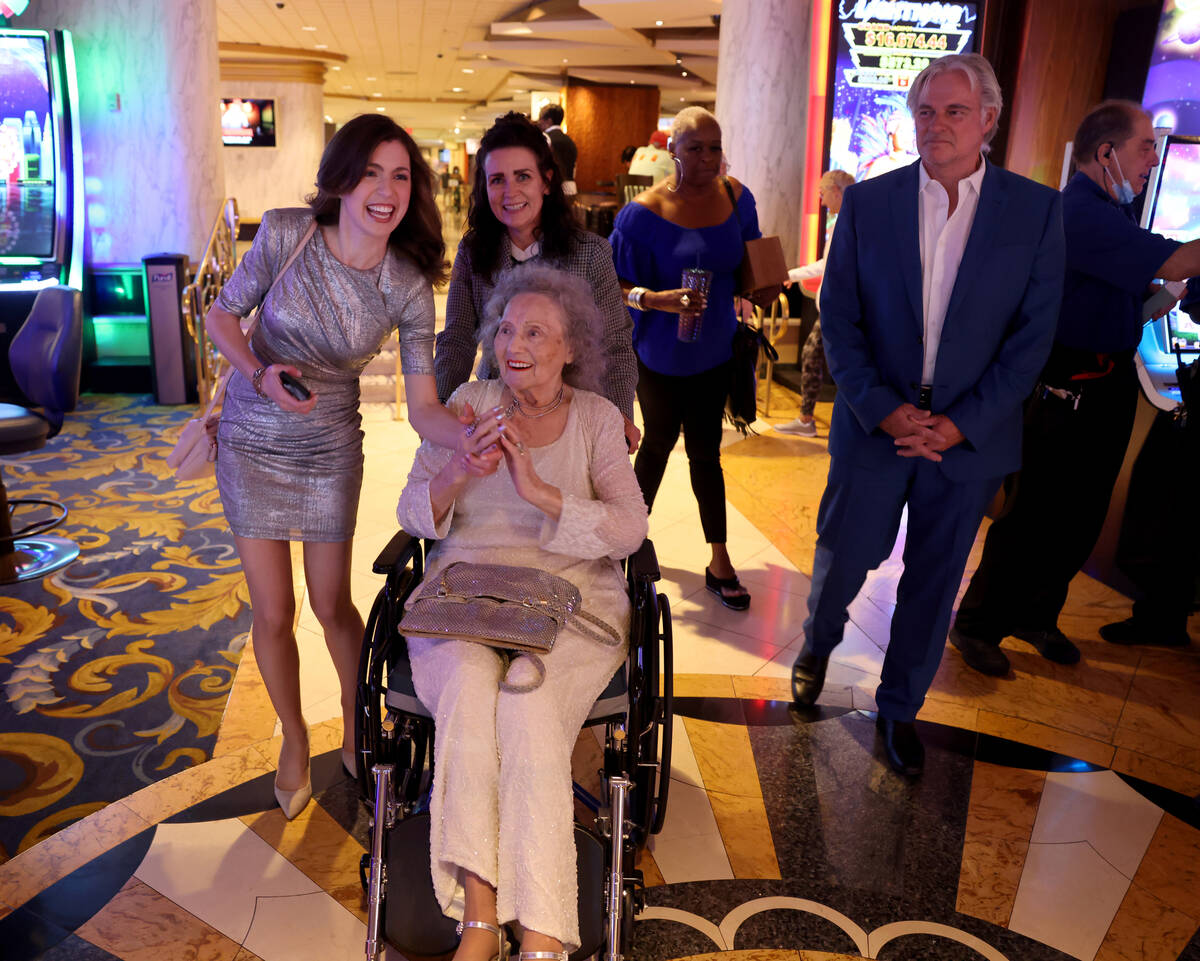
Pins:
x,y
535,412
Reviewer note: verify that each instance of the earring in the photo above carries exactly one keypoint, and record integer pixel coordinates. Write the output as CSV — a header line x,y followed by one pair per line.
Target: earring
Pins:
x,y
678,175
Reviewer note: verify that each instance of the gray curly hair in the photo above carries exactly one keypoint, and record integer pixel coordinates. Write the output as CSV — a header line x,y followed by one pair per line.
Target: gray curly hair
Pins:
x,y
582,321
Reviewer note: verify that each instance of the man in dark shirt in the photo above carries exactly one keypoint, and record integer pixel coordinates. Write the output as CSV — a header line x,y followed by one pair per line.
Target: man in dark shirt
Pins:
x,y
1080,416
562,146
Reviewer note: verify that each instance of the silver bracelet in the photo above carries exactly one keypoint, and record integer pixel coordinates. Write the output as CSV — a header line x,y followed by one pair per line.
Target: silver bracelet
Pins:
x,y
637,297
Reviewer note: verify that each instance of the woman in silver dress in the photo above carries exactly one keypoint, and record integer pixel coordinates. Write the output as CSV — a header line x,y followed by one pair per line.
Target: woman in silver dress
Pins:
x,y
291,469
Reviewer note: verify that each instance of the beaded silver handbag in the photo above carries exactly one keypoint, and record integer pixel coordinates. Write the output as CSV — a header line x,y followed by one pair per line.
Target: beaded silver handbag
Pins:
x,y
518,609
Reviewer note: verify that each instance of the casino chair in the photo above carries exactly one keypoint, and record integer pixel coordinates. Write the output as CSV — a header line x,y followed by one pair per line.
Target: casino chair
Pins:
x,y
46,357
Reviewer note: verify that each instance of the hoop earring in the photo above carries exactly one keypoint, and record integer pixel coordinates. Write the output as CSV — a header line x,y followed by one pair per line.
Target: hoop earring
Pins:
x,y
678,175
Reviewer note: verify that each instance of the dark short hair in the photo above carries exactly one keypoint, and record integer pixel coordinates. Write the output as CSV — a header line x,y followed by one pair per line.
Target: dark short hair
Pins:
x,y
552,112
627,153
418,236
1109,122
485,234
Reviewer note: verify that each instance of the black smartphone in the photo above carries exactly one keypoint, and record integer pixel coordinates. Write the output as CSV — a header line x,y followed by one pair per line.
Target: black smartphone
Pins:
x,y
294,386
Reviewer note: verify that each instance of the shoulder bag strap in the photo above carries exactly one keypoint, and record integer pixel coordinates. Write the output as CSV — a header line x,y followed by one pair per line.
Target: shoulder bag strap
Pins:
x,y
219,389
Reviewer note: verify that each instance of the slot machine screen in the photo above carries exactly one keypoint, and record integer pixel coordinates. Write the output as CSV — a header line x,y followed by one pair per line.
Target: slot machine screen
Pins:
x,y
27,149
880,48
1172,91
1176,214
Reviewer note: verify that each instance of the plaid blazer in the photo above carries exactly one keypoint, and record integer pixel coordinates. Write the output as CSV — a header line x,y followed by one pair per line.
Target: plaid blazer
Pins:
x,y
591,258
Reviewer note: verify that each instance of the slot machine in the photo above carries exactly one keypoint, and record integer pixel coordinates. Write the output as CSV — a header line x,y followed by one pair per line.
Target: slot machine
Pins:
x,y
41,177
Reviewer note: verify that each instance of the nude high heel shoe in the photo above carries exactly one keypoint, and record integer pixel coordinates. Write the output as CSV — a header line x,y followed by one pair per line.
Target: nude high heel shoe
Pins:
x,y
502,951
293,802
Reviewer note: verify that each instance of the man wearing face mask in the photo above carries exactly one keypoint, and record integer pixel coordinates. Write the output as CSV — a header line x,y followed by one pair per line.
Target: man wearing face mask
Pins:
x,y
1079,419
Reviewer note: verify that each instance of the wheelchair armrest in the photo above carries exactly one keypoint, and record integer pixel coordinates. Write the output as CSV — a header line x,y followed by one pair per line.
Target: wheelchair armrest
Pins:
x,y
401,549
643,563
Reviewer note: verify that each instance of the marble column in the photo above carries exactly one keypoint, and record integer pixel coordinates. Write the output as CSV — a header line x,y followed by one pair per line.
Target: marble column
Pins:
x,y
762,93
281,176
150,121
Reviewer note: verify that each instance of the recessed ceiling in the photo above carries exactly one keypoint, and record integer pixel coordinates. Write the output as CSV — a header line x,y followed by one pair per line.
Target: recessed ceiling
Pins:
x,y
429,63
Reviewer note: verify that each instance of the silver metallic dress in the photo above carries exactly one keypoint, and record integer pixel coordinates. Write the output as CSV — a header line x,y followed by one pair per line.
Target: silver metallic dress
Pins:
x,y
285,476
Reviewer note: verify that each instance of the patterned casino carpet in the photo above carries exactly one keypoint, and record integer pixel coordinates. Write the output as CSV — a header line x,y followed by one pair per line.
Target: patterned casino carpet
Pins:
x,y
95,703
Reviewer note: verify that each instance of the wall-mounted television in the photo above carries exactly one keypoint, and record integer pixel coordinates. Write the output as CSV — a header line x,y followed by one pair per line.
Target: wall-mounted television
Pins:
x,y
246,122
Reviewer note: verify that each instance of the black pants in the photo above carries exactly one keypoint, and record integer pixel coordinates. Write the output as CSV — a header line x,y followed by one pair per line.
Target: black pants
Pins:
x,y
1070,461
695,404
1160,533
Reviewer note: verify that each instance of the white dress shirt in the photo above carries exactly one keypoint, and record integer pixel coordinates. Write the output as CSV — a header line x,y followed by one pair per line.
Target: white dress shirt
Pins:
x,y
943,240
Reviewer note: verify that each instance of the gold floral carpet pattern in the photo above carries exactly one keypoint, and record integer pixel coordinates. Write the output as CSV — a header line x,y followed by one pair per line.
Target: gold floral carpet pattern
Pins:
x,y
115,670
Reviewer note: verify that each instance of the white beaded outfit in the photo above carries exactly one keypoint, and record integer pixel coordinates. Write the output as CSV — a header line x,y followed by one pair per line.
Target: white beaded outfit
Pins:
x,y
502,807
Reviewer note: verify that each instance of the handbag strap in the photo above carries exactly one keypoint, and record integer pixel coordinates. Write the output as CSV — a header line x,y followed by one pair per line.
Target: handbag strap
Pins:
x,y
606,635
732,200
223,383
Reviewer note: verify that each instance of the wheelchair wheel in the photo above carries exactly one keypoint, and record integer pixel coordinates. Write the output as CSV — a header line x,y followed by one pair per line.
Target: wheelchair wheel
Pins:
x,y
650,720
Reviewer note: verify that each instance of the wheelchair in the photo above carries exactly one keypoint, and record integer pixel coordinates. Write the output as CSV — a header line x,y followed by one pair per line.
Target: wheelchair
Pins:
x,y
394,749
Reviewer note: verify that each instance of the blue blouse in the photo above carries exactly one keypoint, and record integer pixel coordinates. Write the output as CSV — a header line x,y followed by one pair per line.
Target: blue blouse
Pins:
x,y
652,252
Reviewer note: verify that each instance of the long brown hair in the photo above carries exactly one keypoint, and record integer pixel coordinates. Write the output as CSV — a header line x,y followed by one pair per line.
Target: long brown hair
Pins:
x,y
485,234
418,236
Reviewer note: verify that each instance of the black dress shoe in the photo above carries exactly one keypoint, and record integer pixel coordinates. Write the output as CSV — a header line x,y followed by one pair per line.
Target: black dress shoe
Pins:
x,y
808,677
1053,645
985,657
1133,632
901,745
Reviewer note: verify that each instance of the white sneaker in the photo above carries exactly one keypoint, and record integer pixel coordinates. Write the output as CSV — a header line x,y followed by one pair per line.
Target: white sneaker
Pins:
x,y
802,428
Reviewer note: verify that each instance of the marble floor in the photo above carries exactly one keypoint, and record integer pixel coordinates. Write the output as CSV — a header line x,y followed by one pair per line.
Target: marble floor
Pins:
x,y
1057,817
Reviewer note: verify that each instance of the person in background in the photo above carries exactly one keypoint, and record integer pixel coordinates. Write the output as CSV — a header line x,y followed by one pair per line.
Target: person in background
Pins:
x,y
1079,420
653,160
627,155
518,212
563,147
693,219
941,290
812,355
291,469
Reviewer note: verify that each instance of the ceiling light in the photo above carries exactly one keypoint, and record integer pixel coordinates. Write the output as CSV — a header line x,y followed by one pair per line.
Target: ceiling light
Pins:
x,y
678,61
658,23
335,68
456,130
467,70
369,79
312,29
463,117
347,86
381,109
321,46
564,59
328,119
685,73
376,95
456,89
631,81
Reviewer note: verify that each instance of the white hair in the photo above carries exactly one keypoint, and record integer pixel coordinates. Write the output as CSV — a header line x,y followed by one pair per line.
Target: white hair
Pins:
x,y
980,76
689,118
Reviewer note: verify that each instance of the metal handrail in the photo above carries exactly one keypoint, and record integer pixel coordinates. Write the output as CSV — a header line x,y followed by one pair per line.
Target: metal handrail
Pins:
x,y
216,267
773,324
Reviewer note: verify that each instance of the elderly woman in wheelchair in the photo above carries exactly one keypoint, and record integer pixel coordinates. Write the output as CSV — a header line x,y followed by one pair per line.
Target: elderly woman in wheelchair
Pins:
x,y
545,483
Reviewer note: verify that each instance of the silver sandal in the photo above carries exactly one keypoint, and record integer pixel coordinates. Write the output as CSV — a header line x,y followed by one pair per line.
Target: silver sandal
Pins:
x,y
502,950
542,956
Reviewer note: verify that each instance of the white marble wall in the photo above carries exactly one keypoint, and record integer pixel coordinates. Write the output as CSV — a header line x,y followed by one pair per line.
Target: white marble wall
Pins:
x,y
281,176
762,98
154,180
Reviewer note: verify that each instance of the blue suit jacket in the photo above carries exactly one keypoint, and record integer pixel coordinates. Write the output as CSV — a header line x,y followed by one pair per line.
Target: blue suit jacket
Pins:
x,y
999,324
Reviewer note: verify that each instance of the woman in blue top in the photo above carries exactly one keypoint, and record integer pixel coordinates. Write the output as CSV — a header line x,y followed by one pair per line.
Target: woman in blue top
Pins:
x,y
687,221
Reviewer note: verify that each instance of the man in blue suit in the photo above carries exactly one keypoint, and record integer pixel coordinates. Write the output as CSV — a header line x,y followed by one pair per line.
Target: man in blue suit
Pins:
x,y
942,288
